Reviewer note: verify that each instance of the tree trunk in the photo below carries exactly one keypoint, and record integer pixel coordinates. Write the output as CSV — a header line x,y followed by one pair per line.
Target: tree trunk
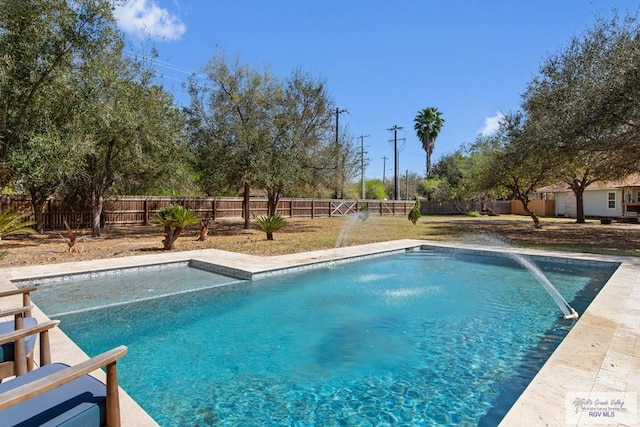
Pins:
x,y
428,148
168,241
428,165
269,235
272,203
96,213
580,206
38,204
245,206
171,236
534,217
578,185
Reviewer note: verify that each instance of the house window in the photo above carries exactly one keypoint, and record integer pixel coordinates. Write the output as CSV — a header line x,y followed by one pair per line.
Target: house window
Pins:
x,y
612,200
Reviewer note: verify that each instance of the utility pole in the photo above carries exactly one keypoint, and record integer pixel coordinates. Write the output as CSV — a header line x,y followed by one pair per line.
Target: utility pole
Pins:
x,y
396,178
384,169
406,185
339,170
362,137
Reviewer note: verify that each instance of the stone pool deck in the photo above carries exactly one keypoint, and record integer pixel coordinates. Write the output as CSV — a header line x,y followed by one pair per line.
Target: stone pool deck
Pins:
x,y
599,355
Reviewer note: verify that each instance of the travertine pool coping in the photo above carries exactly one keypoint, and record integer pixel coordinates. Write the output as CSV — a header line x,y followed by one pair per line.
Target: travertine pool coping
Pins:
x,y
598,355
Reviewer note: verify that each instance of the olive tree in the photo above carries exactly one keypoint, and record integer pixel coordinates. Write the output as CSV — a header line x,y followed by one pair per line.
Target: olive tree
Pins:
x,y
300,125
42,164
583,106
231,116
512,161
78,117
42,42
249,129
130,127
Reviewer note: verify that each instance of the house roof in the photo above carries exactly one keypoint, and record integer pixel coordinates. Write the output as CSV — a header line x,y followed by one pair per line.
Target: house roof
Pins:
x,y
632,180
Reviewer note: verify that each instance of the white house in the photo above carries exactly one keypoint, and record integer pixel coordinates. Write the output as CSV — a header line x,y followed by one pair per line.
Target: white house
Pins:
x,y
612,199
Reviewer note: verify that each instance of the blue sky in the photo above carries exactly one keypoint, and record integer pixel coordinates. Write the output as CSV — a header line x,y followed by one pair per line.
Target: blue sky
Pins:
x,y
383,60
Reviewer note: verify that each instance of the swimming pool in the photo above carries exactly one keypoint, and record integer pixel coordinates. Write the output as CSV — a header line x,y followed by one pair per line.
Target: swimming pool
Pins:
x,y
420,338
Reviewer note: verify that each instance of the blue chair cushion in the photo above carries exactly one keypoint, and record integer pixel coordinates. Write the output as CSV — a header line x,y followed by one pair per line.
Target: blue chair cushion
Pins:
x,y
81,402
7,350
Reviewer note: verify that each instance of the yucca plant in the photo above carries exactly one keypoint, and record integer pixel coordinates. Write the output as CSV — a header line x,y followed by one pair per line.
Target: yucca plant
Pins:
x,y
14,222
269,224
174,218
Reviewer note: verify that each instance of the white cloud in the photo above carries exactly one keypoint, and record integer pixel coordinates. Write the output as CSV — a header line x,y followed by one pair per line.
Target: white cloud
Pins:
x,y
491,124
145,18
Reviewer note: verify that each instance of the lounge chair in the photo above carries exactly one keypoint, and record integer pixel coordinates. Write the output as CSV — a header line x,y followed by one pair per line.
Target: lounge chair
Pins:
x,y
26,296
10,352
19,359
57,394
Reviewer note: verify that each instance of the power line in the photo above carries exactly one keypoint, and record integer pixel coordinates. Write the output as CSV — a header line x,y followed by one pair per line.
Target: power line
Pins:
x,y
171,77
167,65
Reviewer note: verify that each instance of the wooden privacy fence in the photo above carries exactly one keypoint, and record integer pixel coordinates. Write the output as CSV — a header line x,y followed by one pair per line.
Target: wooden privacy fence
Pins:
x,y
538,207
134,210
464,207
139,210
500,207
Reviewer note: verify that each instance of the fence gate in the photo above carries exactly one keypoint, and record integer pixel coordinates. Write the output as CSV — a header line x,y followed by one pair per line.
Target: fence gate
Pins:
x,y
342,207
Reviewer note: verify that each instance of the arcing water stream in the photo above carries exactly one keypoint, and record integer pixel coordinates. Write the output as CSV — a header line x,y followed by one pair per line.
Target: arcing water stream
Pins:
x,y
567,310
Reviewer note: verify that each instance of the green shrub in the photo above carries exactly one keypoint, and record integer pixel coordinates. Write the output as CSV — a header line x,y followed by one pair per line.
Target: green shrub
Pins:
x,y
474,214
414,213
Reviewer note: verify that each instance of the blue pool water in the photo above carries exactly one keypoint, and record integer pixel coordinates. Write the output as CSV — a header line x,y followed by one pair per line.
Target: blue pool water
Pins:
x,y
417,339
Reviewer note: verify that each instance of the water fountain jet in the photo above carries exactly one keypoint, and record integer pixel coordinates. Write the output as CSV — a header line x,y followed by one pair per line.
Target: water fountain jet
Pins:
x,y
352,223
567,311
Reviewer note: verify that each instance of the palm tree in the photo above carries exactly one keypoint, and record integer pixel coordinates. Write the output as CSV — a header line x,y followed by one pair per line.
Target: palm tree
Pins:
x,y
428,123
174,218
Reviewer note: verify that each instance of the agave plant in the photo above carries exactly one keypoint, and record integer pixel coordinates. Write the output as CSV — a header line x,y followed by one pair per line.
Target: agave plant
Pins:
x,y
14,222
270,223
174,218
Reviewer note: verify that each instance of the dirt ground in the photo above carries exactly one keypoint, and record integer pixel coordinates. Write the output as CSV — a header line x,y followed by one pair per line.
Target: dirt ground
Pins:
x,y
325,233
52,246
